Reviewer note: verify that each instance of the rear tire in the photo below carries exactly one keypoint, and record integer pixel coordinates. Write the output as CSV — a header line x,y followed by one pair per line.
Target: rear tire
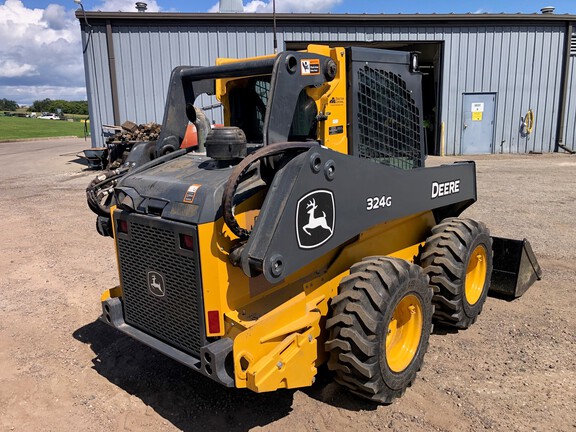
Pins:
x,y
457,258
379,328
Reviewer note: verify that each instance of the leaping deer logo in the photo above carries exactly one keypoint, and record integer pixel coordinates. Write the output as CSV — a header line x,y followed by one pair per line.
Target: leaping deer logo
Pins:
x,y
315,218
156,284
315,222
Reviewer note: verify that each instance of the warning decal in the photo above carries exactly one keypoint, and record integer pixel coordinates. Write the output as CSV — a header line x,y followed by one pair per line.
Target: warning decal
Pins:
x,y
191,193
310,66
477,111
334,130
477,107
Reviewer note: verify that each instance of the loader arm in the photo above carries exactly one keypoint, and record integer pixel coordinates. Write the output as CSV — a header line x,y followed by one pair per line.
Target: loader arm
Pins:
x,y
322,199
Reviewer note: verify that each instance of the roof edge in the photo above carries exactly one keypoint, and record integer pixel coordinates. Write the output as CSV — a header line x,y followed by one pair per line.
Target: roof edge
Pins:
x,y
215,16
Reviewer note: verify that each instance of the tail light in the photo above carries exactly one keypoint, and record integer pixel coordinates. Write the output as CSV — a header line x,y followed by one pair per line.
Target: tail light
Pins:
x,y
213,322
186,242
122,226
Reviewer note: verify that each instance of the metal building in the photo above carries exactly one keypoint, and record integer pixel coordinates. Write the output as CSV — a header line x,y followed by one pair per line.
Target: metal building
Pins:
x,y
484,75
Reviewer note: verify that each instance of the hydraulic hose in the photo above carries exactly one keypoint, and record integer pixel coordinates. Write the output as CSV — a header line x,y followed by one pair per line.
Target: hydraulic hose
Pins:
x,y
241,169
99,193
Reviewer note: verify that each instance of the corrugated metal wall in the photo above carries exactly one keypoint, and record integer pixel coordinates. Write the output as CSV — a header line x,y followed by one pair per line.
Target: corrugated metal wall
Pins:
x,y
570,119
522,64
98,85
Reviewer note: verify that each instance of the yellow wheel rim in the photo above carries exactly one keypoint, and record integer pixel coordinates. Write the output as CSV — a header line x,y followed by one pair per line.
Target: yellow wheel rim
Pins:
x,y
404,333
475,275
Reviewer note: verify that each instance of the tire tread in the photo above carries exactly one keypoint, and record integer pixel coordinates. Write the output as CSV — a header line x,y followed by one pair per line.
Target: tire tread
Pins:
x,y
444,260
356,320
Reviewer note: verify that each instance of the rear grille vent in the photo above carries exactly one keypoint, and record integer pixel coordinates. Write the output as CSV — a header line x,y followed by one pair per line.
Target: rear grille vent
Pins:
x,y
388,119
151,251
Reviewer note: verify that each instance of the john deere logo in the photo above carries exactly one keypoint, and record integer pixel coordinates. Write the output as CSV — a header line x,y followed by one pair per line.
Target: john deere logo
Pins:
x,y
156,285
315,217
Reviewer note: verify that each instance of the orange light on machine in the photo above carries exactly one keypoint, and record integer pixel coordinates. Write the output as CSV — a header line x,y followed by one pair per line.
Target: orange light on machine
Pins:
x,y
186,242
213,322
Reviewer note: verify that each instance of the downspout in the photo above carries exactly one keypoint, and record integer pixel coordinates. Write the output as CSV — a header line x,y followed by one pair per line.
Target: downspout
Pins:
x,y
564,87
112,70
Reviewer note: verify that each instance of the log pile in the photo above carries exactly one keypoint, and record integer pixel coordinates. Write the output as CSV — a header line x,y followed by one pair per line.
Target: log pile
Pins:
x,y
131,133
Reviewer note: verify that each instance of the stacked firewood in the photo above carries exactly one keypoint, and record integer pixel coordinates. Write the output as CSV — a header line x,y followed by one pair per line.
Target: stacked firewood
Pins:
x,y
131,133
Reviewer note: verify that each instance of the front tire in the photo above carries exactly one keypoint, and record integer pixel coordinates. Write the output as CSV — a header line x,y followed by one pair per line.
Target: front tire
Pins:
x,y
379,328
457,258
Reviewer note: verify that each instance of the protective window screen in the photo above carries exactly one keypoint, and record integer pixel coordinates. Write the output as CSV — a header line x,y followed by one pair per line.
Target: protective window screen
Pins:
x,y
248,99
388,119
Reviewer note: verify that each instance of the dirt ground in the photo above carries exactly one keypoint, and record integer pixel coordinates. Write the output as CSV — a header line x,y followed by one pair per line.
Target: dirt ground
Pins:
x,y
62,370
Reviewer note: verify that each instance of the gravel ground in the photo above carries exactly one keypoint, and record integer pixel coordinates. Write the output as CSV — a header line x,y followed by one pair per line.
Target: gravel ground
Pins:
x,y
62,370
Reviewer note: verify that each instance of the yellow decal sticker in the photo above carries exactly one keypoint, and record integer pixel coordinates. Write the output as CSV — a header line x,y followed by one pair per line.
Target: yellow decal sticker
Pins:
x,y
336,101
477,116
191,193
310,66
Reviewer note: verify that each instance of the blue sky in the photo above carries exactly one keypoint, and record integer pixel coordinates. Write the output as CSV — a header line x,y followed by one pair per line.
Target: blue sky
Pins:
x,y
41,52
357,6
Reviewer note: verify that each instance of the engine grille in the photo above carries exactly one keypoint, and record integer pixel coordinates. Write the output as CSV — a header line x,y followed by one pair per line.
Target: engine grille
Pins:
x,y
174,317
388,119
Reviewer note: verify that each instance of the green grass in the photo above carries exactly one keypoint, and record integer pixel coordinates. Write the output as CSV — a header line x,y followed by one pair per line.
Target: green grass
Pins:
x,y
22,128
76,117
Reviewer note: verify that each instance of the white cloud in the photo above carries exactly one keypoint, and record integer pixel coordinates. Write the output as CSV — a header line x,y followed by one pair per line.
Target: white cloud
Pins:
x,y
40,50
10,68
287,6
55,17
126,6
259,6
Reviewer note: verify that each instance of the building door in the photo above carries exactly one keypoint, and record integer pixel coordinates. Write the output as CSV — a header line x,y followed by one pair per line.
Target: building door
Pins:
x,y
478,123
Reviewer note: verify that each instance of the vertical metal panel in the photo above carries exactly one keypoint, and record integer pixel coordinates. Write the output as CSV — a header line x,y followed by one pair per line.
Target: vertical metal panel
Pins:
x,y
520,63
98,84
570,119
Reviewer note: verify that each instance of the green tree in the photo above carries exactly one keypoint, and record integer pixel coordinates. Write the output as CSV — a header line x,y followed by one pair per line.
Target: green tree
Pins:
x,y
41,105
8,105
67,107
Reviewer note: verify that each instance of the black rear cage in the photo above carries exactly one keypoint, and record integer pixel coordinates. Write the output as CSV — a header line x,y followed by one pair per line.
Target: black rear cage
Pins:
x,y
384,103
285,100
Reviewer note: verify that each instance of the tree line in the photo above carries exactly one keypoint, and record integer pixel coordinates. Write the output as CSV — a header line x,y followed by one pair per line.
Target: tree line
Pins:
x,y
8,105
48,105
67,107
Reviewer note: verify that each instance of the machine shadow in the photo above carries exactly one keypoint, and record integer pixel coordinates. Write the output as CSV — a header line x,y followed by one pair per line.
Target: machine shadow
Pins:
x,y
183,397
326,390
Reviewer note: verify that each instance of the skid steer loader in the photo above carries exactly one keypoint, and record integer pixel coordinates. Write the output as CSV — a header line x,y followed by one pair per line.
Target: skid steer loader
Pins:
x,y
305,231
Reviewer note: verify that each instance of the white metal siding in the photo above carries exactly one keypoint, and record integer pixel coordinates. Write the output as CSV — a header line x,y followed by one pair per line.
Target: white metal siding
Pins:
x,y
98,84
570,119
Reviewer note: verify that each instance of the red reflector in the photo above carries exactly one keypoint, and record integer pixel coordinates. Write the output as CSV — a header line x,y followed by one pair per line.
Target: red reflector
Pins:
x,y
186,242
213,322
122,226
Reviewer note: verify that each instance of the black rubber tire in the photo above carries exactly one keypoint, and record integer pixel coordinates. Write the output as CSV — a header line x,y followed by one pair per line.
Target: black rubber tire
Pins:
x,y
358,326
445,260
